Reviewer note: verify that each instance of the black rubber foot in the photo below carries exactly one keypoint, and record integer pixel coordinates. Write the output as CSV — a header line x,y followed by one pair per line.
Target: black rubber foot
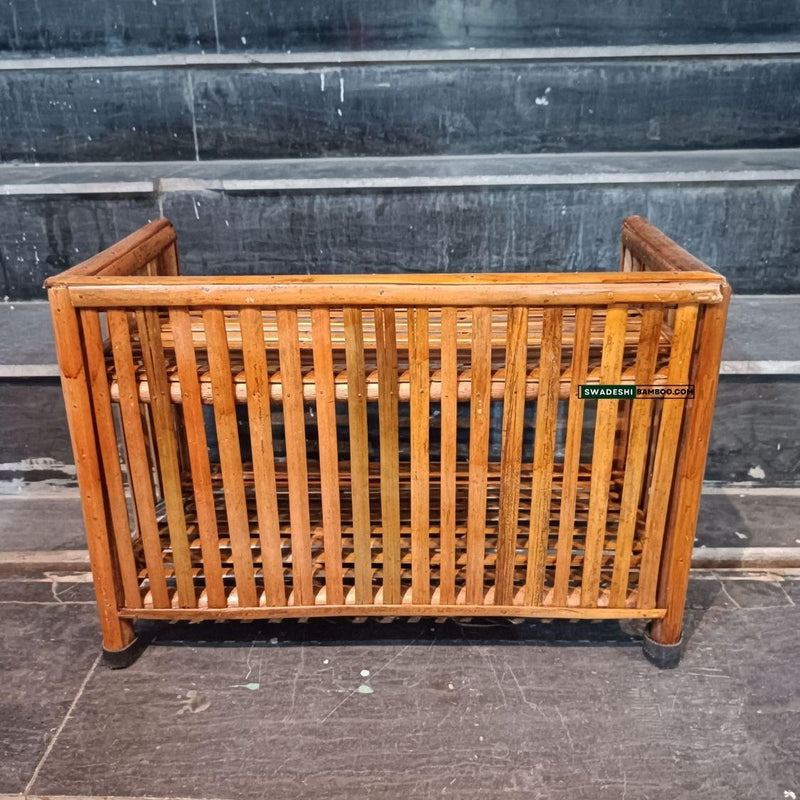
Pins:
x,y
664,656
119,659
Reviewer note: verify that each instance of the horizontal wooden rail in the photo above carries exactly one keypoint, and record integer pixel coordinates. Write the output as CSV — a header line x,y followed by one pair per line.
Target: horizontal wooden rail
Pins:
x,y
399,609
656,251
595,289
125,257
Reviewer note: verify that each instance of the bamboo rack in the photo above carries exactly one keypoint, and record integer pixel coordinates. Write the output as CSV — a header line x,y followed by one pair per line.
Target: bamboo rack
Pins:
x,y
387,445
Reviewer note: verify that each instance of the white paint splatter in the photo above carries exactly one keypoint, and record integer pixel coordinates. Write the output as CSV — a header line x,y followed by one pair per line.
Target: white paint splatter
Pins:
x,y
740,534
244,40
757,472
364,673
544,100
196,212
341,90
339,111
788,794
194,703
322,81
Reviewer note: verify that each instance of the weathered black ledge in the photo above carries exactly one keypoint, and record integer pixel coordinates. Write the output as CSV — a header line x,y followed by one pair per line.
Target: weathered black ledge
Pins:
x,y
377,172
734,209
760,338
779,48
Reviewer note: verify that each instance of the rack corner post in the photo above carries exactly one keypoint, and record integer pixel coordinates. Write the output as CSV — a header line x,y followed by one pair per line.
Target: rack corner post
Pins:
x,y
690,469
117,633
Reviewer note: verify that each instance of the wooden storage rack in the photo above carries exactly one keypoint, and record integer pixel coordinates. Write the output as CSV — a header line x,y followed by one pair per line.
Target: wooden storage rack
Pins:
x,y
388,445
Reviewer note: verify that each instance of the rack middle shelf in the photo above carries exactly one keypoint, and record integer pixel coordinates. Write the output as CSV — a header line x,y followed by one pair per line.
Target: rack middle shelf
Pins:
x,y
464,344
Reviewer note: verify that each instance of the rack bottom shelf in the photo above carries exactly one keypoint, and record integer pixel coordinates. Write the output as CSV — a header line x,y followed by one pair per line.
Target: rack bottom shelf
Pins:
x,y
286,604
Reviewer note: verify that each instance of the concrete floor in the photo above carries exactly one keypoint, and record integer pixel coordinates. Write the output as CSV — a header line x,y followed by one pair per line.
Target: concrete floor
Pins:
x,y
471,710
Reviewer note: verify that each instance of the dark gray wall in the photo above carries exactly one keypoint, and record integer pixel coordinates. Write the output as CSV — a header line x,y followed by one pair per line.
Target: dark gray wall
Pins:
x,y
398,110
117,27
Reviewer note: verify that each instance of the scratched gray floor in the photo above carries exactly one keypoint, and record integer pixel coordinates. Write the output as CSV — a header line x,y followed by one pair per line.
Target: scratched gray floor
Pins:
x,y
468,711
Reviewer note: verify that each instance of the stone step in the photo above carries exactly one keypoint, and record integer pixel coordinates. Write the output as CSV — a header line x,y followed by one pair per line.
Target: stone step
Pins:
x,y
735,519
385,103
760,339
52,27
461,214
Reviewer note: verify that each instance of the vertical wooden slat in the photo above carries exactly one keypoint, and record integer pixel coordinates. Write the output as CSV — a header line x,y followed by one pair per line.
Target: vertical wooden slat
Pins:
x,y
624,416
511,454
194,424
328,453
449,440
572,455
621,434
117,633
359,452
543,454
151,445
603,454
386,343
140,476
481,373
168,260
625,259
666,449
164,429
420,382
109,455
296,464
638,438
685,502
652,439
260,419
230,456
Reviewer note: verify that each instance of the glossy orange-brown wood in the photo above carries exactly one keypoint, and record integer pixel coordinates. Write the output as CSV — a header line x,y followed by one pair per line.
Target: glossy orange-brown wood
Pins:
x,y
380,502
260,419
